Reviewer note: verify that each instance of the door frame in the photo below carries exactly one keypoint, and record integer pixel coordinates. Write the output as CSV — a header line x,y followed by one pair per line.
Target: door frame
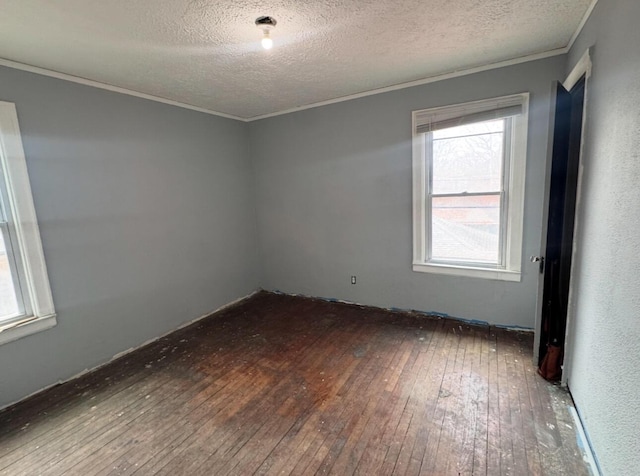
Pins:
x,y
582,68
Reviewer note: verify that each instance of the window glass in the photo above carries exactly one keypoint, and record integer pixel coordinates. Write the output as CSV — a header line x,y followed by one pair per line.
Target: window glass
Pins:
x,y
466,228
468,158
8,301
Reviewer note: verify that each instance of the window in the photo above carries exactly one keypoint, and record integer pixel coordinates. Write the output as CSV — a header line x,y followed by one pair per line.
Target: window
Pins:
x,y
26,305
469,168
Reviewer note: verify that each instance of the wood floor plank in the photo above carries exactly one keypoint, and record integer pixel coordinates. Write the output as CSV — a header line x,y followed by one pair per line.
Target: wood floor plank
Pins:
x,y
45,451
344,454
449,407
301,443
505,415
463,437
73,448
493,406
394,403
69,403
369,439
91,450
472,426
290,385
383,455
424,402
353,396
514,383
426,445
481,396
520,371
309,365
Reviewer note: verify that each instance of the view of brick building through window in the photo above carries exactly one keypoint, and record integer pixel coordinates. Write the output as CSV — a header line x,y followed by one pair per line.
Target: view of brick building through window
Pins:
x,y
466,186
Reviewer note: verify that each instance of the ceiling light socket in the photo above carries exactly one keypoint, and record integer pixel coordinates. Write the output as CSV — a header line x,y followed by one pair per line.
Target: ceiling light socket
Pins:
x,y
266,23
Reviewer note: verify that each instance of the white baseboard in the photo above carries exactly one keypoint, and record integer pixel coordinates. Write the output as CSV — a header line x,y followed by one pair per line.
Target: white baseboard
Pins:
x,y
132,349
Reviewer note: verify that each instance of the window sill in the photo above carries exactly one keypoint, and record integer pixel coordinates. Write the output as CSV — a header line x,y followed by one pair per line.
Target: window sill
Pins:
x,y
27,328
452,270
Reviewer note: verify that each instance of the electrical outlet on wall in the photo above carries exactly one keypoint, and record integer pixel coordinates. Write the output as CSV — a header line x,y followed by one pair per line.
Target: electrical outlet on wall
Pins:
x,y
353,280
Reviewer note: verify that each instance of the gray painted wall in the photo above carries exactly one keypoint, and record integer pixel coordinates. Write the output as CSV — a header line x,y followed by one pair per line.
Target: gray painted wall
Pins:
x,y
604,360
333,189
147,221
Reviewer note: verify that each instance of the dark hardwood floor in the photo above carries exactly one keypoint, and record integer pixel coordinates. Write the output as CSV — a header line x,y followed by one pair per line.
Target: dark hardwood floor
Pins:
x,y
287,385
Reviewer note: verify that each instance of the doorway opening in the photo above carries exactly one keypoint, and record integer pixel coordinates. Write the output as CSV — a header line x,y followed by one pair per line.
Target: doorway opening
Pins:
x,y
555,263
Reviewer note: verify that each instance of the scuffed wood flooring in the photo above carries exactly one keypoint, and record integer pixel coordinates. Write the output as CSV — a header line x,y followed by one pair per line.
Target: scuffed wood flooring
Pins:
x,y
289,385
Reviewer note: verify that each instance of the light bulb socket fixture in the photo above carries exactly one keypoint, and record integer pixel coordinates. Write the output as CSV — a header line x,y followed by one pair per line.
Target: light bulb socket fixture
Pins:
x,y
266,24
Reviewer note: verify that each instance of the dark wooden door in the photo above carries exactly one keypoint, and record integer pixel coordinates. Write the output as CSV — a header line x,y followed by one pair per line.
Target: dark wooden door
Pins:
x,y
556,263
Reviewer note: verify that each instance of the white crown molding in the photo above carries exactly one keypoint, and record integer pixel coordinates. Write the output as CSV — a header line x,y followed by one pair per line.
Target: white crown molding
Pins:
x,y
372,92
420,82
442,77
109,87
582,23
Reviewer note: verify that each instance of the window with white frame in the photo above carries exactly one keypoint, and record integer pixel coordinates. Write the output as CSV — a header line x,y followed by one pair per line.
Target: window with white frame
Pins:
x,y
469,165
26,305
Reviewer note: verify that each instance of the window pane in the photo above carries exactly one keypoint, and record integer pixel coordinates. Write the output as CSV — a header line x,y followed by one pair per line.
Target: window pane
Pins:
x,y
8,301
466,228
468,158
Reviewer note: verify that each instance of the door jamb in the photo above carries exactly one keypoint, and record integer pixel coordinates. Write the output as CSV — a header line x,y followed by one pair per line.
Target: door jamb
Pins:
x,y
582,68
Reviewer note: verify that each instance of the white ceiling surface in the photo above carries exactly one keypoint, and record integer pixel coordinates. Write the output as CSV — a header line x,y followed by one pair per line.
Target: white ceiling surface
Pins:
x,y
207,53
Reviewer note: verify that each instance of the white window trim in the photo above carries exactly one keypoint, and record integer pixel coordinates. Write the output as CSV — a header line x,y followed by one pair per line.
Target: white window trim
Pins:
x,y
27,232
515,212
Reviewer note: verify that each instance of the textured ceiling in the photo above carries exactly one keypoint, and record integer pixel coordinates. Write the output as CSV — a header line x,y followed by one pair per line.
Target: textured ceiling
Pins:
x,y
207,53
